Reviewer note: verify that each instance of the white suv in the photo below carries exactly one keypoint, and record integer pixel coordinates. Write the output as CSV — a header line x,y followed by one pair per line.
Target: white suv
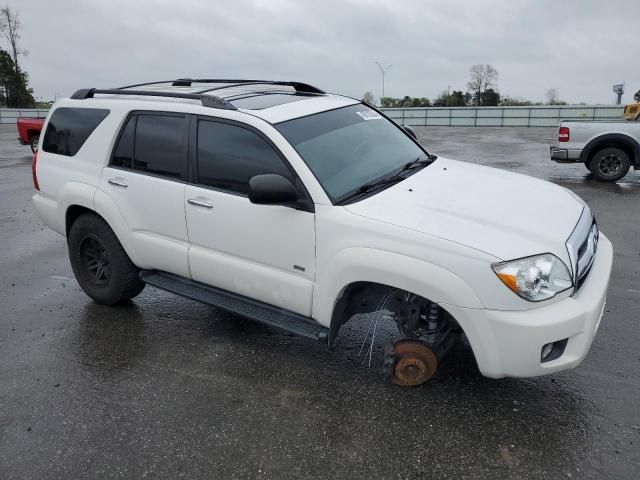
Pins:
x,y
300,209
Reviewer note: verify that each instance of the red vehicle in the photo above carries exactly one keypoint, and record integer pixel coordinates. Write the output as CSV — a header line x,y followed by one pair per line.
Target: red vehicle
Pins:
x,y
29,131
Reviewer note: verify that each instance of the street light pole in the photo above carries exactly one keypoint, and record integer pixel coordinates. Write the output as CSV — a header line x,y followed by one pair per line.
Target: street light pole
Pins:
x,y
383,71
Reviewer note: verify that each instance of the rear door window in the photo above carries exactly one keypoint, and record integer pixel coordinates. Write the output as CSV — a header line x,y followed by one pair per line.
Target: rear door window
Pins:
x,y
153,144
158,146
69,128
123,153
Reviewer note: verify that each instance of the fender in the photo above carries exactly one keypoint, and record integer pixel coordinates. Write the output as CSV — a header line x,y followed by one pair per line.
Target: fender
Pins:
x,y
359,264
107,209
611,139
72,193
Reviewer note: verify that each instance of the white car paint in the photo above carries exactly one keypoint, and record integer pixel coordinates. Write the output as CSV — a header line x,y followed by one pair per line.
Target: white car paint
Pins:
x,y
252,249
501,213
435,234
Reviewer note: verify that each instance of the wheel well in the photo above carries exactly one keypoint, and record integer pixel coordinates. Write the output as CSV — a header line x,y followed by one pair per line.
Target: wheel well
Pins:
x,y
366,297
628,149
73,212
32,133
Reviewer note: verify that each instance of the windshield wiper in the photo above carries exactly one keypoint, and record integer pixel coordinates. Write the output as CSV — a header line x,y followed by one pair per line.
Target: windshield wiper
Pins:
x,y
418,162
398,176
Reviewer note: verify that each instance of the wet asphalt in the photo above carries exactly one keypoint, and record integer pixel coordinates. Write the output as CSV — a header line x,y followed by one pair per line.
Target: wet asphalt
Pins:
x,y
168,388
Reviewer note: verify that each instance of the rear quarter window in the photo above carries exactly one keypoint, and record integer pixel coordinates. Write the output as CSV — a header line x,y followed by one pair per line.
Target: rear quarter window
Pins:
x,y
69,128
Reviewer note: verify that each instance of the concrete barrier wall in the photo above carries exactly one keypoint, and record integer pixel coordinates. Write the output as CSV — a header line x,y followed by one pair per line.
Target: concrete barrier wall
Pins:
x,y
534,116
10,115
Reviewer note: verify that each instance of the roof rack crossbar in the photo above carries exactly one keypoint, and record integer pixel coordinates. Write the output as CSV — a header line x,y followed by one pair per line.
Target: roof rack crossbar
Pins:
x,y
148,83
187,82
206,100
297,86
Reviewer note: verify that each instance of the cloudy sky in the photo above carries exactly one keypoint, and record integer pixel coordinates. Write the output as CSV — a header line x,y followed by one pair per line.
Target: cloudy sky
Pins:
x,y
579,47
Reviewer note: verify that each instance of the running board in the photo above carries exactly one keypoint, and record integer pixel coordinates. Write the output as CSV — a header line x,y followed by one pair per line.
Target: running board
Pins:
x,y
238,304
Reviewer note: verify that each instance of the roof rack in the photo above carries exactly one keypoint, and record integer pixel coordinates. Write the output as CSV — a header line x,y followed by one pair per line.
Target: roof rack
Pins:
x,y
299,87
206,100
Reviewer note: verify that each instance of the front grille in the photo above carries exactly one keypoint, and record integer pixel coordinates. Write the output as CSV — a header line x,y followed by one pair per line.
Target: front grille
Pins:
x,y
582,246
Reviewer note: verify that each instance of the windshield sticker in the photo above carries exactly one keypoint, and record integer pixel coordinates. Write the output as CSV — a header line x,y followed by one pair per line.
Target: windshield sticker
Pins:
x,y
369,115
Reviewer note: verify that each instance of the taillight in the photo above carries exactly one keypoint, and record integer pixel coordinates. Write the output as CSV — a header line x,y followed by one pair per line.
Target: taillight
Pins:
x,y
563,134
33,171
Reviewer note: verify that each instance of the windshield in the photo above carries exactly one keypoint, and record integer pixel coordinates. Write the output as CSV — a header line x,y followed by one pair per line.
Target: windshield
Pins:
x,y
349,147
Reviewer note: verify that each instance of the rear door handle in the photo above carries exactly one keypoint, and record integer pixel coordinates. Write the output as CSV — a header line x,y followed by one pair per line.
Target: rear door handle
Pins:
x,y
118,182
199,203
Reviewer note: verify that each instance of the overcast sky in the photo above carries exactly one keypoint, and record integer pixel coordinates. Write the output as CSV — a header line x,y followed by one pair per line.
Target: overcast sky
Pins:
x,y
579,47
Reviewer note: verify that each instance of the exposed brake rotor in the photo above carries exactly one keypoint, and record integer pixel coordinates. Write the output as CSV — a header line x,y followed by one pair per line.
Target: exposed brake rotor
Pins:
x,y
409,362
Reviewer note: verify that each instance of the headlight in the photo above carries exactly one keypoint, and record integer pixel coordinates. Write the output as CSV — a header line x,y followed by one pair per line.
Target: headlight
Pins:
x,y
536,278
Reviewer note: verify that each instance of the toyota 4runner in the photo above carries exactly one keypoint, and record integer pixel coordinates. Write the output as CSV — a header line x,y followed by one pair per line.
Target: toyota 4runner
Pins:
x,y
301,209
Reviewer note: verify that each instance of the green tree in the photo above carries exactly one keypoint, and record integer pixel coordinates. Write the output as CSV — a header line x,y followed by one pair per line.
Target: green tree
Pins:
x,y
490,98
14,83
457,99
388,102
14,90
405,102
508,101
481,79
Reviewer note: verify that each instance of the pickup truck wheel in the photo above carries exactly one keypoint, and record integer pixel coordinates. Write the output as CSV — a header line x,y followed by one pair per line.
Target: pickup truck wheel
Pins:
x,y
33,142
100,264
609,164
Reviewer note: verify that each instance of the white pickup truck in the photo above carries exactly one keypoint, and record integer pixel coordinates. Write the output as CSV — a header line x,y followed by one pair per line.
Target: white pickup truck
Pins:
x,y
301,209
607,148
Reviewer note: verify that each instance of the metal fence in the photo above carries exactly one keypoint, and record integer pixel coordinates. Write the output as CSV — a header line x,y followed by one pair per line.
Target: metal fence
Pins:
x,y
10,115
534,116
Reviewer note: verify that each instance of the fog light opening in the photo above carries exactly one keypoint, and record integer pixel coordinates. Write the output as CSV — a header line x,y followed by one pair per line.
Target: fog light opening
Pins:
x,y
553,350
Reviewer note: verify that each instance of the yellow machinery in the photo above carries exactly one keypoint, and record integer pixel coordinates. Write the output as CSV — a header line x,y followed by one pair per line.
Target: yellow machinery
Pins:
x,y
631,111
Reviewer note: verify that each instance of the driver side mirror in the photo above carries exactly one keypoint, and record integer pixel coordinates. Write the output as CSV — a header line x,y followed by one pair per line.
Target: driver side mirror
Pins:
x,y
271,189
410,131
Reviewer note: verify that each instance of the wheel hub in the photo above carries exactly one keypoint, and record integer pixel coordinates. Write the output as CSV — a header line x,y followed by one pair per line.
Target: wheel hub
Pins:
x,y
610,164
95,260
409,362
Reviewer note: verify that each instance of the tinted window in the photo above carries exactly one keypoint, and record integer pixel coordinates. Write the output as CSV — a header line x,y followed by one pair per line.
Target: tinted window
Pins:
x,y
228,156
123,154
349,147
158,145
69,128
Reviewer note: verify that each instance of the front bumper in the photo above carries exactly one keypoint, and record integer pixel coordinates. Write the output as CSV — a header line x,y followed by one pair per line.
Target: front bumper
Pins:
x,y
22,142
509,343
562,155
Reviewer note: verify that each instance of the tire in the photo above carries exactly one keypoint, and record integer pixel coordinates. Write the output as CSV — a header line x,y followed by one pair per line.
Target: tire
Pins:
x,y
33,142
609,164
100,264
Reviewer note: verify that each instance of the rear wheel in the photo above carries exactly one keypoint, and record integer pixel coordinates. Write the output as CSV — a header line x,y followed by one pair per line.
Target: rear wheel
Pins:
x,y
100,264
33,142
609,164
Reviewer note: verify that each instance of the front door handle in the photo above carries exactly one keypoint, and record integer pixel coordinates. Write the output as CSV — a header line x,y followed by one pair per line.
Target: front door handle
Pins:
x,y
118,182
199,203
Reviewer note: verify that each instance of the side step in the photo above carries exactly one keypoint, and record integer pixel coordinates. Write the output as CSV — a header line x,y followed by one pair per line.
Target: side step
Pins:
x,y
238,304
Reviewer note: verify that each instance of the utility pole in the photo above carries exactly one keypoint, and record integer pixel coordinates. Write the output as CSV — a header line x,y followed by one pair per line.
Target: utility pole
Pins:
x,y
383,71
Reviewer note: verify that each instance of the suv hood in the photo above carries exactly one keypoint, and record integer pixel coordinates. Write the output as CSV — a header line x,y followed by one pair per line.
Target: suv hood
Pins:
x,y
504,214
